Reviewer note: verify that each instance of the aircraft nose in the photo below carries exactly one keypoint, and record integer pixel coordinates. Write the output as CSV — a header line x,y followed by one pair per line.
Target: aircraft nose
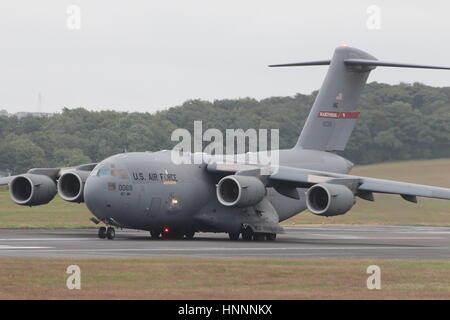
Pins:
x,y
93,197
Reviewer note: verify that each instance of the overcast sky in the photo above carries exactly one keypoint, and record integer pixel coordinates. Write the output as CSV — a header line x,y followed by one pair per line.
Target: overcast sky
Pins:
x,y
151,55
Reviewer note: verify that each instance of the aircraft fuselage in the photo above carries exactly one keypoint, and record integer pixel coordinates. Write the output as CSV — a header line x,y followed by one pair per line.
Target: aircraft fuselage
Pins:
x,y
147,191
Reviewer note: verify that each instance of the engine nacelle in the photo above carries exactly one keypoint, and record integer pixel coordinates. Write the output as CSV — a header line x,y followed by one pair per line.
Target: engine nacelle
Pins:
x,y
326,199
32,189
240,191
71,185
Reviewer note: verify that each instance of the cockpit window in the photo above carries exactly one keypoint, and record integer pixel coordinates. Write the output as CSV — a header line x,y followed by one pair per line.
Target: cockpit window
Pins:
x,y
104,172
120,174
116,173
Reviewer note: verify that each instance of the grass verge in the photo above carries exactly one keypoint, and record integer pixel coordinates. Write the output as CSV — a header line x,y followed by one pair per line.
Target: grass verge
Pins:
x,y
184,278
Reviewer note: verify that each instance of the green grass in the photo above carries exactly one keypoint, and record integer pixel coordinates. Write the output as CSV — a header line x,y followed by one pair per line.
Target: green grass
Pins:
x,y
387,209
184,278
57,214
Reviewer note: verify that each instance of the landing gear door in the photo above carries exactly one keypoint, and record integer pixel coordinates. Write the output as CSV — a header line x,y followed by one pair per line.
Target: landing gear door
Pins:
x,y
263,218
155,208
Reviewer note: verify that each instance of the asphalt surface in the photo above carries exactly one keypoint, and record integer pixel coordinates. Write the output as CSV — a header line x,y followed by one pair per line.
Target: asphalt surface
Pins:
x,y
387,242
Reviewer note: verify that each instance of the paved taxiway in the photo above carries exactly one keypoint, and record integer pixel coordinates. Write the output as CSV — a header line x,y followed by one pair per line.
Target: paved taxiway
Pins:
x,y
298,242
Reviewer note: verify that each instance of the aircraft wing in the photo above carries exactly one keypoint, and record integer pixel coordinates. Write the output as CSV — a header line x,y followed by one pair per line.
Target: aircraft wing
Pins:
x,y
304,177
362,186
5,180
53,173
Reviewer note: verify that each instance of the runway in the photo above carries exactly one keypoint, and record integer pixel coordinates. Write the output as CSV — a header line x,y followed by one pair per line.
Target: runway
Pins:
x,y
385,242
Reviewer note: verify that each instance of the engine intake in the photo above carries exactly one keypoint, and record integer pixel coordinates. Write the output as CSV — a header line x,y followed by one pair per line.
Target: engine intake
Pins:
x,y
326,199
71,185
32,189
240,191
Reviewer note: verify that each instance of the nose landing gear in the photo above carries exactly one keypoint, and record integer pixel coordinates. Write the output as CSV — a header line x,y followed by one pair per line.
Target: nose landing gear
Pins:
x,y
108,233
102,233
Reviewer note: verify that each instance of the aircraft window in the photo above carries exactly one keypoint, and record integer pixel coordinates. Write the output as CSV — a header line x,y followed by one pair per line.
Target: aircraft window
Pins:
x,y
120,174
104,172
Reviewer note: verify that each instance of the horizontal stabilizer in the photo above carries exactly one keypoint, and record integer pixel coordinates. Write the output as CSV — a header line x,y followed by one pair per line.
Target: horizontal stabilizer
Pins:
x,y
333,114
377,63
301,64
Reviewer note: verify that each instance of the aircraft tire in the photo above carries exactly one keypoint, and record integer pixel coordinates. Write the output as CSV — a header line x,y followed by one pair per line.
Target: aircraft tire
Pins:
x,y
110,233
259,237
247,234
234,236
173,235
177,235
189,235
102,232
271,236
155,234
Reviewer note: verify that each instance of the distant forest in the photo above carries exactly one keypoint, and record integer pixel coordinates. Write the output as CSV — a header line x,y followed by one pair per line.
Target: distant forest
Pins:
x,y
399,122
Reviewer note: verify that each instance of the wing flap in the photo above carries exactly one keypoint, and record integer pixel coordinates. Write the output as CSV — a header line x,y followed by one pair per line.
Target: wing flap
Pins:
x,y
229,167
404,189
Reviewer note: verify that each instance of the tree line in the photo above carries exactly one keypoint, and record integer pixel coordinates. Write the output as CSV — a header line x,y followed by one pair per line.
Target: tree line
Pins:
x,y
398,122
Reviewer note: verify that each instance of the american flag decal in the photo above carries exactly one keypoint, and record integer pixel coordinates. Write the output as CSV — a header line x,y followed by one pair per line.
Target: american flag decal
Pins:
x,y
338,115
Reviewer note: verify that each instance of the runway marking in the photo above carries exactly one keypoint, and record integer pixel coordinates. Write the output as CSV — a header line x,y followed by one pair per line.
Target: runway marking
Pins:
x,y
345,237
336,236
2,247
375,229
47,239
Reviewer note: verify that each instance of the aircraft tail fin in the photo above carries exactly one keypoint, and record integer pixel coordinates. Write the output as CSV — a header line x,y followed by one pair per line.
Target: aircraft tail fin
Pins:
x,y
333,114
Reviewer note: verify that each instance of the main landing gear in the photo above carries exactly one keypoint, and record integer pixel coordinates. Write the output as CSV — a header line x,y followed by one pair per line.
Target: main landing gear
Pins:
x,y
249,235
108,233
234,236
167,233
155,234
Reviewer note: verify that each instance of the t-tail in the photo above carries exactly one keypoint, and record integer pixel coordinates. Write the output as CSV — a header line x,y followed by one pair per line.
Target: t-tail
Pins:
x,y
333,114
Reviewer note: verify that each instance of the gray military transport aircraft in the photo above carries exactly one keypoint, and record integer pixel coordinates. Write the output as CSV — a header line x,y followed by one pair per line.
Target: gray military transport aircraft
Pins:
x,y
147,191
